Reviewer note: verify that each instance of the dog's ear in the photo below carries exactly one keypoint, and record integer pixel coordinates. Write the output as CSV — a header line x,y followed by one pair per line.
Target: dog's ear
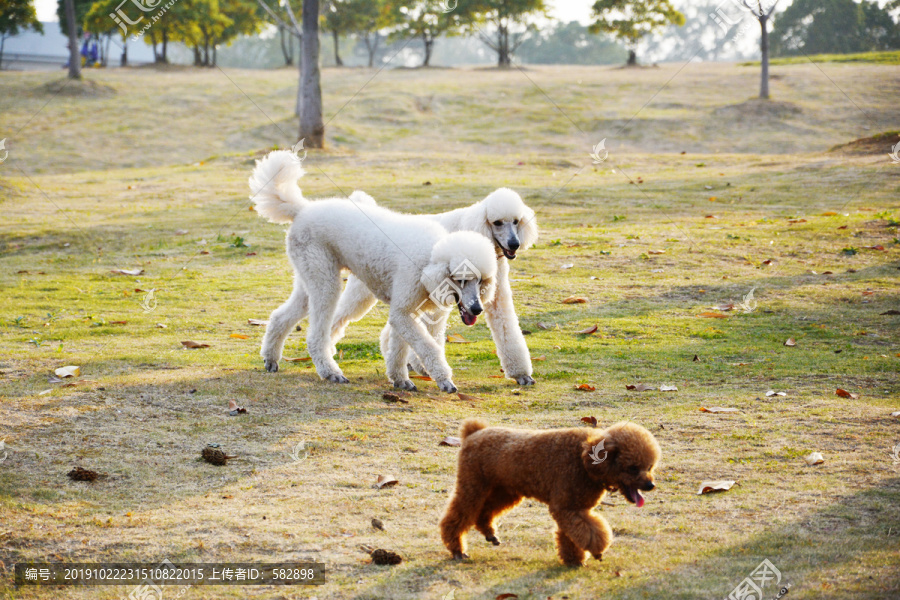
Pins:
x,y
475,219
599,455
433,274
528,230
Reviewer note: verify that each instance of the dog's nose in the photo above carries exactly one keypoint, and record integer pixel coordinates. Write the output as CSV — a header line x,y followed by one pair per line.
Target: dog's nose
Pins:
x,y
476,309
513,243
649,486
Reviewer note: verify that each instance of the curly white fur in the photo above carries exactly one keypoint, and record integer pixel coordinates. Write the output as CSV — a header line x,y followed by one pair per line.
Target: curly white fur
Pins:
x,y
397,257
516,221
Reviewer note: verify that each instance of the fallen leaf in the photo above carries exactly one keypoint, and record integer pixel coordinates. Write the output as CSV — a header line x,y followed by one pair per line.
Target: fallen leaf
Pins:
x,y
771,393
790,342
567,266
721,485
79,474
696,358
641,387
592,421
768,261
506,596
303,359
656,251
468,398
896,413
829,213
239,336
585,387
386,557
846,394
718,409
574,300
257,322
713,315
70,371
118,322
132,272
724,307
668,388
541,357
588,331
815,458
422,377
390,397
190,344
544,326
450,441
385,481
891,312
455,338
162,326
377,524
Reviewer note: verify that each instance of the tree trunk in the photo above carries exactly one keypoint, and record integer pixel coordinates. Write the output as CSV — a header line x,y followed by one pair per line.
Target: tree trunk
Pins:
x,y
197,60
215,54
764,48
312,128
632,58
165,46
372,47
503,59
337,49
123,61
429,43
288,54
2,43
74,55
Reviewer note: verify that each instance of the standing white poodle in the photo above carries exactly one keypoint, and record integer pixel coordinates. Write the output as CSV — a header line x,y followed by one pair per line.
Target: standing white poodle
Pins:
x,y
501,217
402,259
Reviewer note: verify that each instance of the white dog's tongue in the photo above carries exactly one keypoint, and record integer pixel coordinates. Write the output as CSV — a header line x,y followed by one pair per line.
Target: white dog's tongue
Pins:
x,y
468,318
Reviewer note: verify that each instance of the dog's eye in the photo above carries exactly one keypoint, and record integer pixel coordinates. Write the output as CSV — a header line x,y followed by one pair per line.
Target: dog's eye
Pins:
x,y
515,221
498,223
633,470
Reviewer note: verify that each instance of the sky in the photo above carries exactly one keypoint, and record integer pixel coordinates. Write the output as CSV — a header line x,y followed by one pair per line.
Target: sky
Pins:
x,y
564,10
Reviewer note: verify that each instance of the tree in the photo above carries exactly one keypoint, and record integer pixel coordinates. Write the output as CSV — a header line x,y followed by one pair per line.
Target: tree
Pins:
x,y
312,128
423,19
762,13
280,16
74,55
631,20
570,44
834,26
507,20
344,17
16,15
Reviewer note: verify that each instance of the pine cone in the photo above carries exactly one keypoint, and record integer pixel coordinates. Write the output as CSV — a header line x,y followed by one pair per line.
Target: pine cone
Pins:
x,y
386,557
79,474
215,456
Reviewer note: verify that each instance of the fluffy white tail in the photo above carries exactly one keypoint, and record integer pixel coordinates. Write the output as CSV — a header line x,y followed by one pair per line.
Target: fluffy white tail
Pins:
x,y
273,186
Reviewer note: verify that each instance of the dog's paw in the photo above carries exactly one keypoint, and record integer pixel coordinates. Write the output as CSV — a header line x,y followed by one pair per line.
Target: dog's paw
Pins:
x,y
525,380
460,556
406,384
493,539
337,378
447,386
271,365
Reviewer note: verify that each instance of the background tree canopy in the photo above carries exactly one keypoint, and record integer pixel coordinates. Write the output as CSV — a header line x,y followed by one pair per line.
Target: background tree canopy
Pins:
x,y
833,27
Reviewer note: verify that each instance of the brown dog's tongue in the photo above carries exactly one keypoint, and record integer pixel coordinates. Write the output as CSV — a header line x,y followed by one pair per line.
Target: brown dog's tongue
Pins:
x,y
639,499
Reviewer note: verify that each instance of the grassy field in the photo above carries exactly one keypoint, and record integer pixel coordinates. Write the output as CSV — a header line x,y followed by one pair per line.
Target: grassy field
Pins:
x,y
706,196
879,58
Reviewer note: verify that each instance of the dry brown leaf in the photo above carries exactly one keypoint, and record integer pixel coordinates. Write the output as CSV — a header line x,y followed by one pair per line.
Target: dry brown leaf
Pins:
x,y
722,485
506,596
162,326
239,336
574,300
713,315
541,357
724,307
656,251
455,338
304,359
896,413
668,388
829,213
544,326
450,441
386,481
585,387
592,420
70,371
771,393
468,398
815,458
118,322
190,344
391,397
132,272
588,331
718,409
641,387
422,377
846,394
790,342
257,322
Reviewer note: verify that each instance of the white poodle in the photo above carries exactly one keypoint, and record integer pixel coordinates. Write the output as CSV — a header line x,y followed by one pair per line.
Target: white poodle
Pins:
x,y
402,259
501,217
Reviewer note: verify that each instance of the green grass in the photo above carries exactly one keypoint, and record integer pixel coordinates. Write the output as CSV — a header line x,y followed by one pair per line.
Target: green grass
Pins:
x,y
878,58
155,177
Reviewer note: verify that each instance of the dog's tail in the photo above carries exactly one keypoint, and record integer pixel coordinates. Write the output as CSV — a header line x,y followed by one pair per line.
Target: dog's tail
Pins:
x,y
273,186
470,426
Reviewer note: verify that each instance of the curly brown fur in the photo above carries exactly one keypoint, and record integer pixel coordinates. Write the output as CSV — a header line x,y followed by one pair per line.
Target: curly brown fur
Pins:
x,y
498,467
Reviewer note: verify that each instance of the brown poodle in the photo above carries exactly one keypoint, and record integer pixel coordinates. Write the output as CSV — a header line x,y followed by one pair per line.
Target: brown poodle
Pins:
x,y
568,469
